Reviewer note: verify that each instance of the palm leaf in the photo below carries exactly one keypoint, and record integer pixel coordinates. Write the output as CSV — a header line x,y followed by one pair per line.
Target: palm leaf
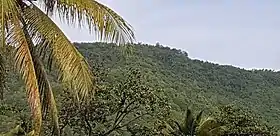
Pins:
x,y
198,118
179,127
24,61
209,127
107,24
218,131
72,65
188,122
47,97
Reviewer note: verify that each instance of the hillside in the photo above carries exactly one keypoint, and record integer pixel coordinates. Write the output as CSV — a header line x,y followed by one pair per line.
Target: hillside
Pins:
x,y
193,83
185,82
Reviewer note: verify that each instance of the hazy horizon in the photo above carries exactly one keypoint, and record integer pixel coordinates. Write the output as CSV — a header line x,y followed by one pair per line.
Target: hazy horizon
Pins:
x,y
239,33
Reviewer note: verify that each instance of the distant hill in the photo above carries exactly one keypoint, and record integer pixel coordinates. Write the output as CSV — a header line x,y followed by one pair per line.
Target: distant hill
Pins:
x,y
193,83
186,82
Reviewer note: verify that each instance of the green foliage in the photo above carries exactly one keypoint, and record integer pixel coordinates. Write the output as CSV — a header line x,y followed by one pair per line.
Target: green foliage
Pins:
x,y
18,130
13,108
190,82
239,121
116,108
170,75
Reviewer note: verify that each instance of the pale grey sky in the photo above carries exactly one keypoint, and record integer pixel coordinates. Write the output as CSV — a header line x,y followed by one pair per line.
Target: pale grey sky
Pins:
x,y
244,33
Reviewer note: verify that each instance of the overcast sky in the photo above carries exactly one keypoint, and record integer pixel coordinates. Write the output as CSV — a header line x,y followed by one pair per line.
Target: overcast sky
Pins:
x,y
244,33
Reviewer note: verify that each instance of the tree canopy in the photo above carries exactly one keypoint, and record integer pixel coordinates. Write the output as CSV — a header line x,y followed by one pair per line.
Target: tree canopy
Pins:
x,y
169,73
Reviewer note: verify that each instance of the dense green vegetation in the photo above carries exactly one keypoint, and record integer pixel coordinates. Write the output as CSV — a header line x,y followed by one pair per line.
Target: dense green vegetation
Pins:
x,y
174,79
192,82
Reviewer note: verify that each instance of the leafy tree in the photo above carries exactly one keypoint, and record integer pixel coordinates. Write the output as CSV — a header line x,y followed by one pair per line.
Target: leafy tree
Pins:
x,y
240,121
129,106
25,27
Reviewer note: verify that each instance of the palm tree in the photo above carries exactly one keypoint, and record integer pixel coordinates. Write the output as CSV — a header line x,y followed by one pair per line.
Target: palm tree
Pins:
x,y
34,35
194,125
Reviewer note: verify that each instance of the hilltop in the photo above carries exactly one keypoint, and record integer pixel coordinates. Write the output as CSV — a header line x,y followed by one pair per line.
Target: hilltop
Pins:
x,y
193,83
186,82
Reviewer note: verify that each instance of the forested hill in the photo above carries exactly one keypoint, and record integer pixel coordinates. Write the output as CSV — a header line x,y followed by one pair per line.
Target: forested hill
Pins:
x,y
192,83
186,83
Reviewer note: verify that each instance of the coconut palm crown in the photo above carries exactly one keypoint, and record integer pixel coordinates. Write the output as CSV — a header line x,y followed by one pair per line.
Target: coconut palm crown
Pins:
x,y
34,36
196,126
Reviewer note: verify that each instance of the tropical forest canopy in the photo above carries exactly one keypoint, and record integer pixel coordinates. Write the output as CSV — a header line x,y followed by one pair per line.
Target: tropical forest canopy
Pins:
x,y
157,84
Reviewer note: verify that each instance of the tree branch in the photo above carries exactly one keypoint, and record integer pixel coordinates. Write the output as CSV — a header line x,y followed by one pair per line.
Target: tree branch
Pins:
x,y
122,112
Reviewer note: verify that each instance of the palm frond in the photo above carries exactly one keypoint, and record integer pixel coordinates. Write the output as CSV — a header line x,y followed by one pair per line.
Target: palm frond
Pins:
x,y
47,97
188,117
188,122
179,126
209,127
218,131
198,117
24,61
107,24
73,68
